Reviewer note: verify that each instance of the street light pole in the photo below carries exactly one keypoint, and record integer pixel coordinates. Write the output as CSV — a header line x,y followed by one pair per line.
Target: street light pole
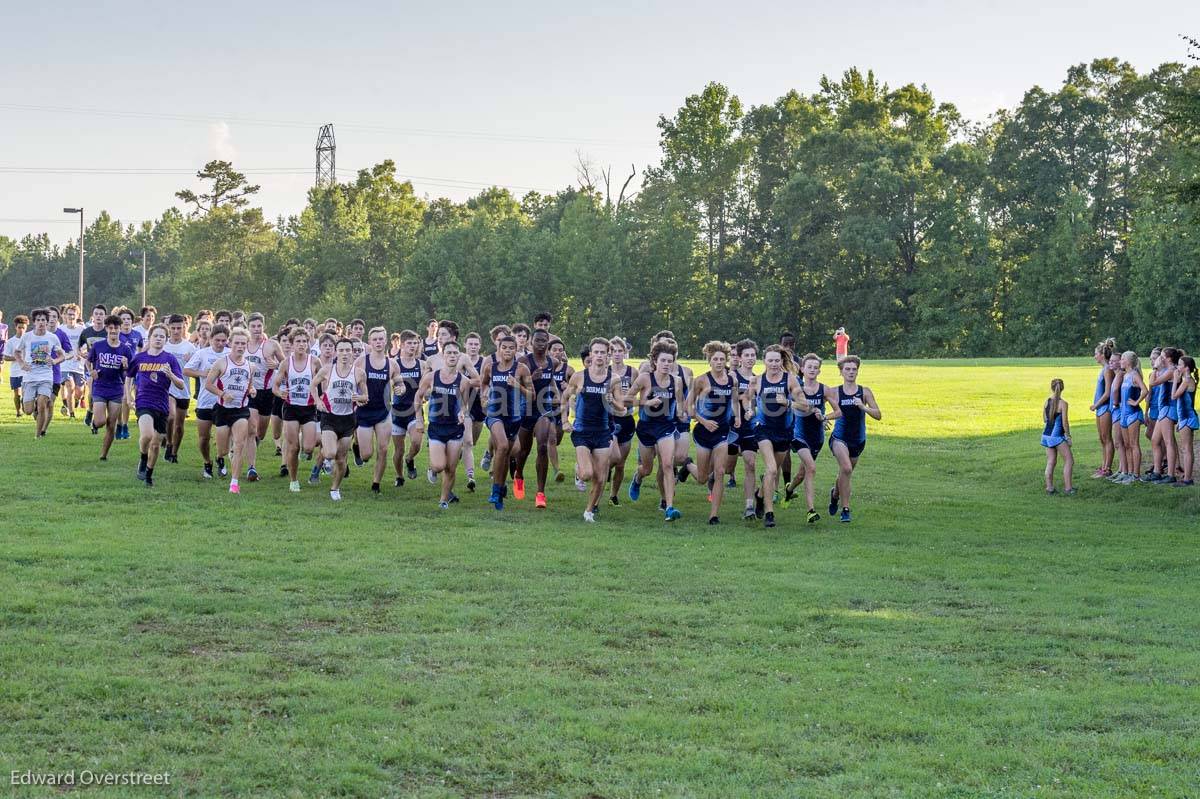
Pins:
x,y
143,278
80,212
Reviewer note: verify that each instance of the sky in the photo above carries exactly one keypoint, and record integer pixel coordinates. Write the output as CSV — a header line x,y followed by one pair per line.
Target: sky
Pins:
x,y
115,105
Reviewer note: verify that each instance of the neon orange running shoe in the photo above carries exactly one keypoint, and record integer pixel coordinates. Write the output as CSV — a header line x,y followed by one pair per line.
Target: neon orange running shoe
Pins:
x,y
540,500
518,488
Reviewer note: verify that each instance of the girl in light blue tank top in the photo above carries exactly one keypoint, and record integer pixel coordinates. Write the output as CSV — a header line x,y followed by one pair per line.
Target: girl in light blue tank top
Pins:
x,y
1132,391
1056,438
1102,406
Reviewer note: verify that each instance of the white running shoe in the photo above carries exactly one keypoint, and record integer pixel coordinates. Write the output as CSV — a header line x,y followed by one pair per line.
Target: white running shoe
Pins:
x,y
588,516
335,495
431,477
580,485
294,486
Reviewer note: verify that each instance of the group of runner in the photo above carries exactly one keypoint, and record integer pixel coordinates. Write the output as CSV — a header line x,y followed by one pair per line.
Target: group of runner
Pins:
x,y
1161,403
328,393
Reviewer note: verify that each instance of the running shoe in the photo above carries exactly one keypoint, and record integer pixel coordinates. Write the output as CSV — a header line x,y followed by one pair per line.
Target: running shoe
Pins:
x,y
614,501
149,481
327,467
1070,492
283,470
335,495
207,474
95,431
671,514
1149,477
453,498
732,483
788,496
713,520
234,488
314,476
635,489
559,477
141,473
748,514
662,504
278,450
813,516
444,505
221,470
1184,483
375,488
431,477
579,484
769,520
399,481
833,501
486,463
471,483
518,488
588,516
294,486
87,418
760,505
64,410
495,499
682,472
1101,472
845,517
539,501
411,468
252,475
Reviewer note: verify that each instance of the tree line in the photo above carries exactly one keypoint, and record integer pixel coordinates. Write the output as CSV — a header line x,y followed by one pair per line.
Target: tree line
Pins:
x,y
1068,218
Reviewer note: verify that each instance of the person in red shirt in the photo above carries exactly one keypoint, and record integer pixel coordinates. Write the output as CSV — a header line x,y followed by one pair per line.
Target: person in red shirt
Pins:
x,y
842,343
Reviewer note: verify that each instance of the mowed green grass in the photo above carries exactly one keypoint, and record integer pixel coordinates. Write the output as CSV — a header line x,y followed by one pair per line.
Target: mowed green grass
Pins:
x,y
966,636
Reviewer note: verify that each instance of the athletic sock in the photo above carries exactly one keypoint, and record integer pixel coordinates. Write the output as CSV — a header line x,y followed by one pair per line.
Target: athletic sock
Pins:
x,y
149,474
142,463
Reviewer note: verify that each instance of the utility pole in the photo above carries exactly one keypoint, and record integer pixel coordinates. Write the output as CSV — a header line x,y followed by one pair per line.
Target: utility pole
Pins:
x,y
80,212
143,278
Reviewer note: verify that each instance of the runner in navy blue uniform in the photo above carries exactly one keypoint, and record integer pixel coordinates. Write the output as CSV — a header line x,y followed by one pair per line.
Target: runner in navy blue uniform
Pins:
x,y
475,414
715,404
658,396
446,388
592,396
808,434
406,415
562,373
777,398
538,423
854,404
623,421
505,381
384,383
429,346
744,443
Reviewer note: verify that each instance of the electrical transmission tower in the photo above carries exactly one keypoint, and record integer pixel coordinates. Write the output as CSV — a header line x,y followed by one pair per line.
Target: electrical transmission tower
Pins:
x,y
326,157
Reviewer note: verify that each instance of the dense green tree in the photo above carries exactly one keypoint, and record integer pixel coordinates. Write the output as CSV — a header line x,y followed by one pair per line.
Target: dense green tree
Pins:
x,y
1071,216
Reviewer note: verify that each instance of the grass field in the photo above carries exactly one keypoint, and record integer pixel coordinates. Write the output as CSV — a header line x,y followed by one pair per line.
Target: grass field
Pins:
x,y
966,636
